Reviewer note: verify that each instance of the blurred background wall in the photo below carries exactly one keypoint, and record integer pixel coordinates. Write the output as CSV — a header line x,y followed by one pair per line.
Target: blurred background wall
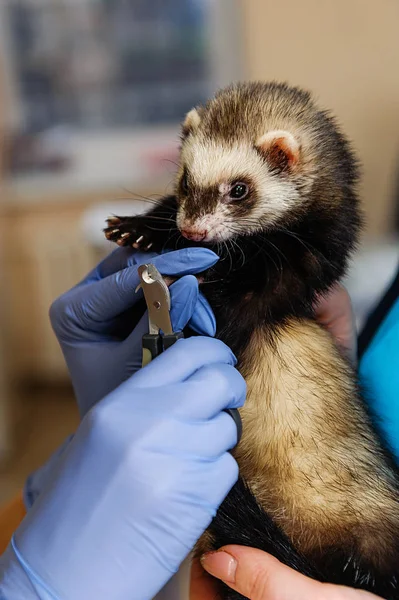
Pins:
x,y
347,52
91,95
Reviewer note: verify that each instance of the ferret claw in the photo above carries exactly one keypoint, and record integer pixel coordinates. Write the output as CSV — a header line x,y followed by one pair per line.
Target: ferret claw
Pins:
x,y
122,240
110,234
149,246
136,244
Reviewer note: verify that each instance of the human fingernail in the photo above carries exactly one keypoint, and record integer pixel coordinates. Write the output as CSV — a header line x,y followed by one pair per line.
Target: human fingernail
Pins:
x,y
221,565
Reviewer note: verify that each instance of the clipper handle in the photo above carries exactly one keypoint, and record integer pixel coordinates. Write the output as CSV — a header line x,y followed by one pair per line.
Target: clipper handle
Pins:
x,y
152,347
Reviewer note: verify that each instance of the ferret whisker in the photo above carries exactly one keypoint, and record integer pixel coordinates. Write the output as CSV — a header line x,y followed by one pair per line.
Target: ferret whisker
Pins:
x,y
166,219
171,161
277,250
221,246
234,267
261,249
220,251
295,236
279,268
233,242
179,237
206,282
174,235
150,199
160,228
163,218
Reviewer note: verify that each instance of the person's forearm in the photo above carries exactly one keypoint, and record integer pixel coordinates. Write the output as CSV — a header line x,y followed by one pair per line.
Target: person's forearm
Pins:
x,y
14,582
19,582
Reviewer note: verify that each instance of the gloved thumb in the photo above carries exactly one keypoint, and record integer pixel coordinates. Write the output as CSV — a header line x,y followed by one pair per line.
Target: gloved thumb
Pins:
x,y
259,576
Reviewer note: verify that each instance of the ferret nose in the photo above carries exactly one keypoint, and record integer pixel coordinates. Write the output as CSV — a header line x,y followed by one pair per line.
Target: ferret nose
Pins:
x,y
194,234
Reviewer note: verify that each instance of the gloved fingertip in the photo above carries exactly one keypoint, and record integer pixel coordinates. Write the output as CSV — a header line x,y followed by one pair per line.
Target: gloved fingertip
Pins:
x,y
190,307
185,262
208,256
203,320
202,327
183,298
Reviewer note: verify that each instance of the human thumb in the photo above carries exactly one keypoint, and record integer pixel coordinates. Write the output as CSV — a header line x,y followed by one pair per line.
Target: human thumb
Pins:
x,y
259,576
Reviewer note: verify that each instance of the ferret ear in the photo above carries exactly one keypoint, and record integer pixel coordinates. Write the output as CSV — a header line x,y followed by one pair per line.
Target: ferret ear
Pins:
x,y
280,148
191,122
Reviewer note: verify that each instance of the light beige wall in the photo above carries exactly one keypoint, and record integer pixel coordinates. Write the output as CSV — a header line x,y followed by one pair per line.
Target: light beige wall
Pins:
x,y
347,53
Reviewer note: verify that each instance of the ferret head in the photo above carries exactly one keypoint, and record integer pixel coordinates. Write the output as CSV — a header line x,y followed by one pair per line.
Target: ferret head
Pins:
x,y
255,157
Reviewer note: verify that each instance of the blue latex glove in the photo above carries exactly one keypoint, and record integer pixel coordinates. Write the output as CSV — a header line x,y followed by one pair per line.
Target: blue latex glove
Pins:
x,y
91,323
87,318
379,374
138,484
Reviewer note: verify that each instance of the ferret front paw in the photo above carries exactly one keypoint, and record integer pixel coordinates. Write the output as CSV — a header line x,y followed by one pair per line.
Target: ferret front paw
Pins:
x,y
127,231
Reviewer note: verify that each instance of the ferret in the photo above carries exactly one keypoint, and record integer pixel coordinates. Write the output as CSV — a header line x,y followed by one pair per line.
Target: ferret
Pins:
x,y
268,181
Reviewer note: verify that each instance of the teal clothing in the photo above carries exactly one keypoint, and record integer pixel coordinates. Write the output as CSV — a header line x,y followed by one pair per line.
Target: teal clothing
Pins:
x,y
379,373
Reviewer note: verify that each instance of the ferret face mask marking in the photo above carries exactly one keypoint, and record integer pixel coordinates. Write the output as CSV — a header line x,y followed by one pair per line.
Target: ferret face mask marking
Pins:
x,y
227,188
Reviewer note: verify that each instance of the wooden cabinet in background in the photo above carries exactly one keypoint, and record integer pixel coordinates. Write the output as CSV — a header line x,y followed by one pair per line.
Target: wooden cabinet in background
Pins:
x,y
45,254
48,245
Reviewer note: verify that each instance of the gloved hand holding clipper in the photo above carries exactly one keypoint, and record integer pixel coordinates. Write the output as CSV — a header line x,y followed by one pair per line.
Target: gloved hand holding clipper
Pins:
x,y
93,326
92,320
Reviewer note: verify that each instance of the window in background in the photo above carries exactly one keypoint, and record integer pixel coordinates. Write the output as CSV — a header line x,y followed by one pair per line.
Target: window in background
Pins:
x,y
97,84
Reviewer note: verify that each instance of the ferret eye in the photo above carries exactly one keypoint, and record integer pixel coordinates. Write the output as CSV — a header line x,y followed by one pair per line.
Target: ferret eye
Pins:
x,y
239,191
184,183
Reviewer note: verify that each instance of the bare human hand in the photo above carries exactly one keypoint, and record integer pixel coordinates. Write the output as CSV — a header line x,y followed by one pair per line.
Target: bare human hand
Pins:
x,y
335,313
259,576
